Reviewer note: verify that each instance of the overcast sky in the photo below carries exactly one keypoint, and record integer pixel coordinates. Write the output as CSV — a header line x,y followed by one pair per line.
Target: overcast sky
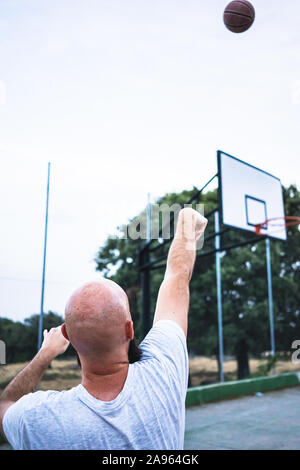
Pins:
x,y
125,98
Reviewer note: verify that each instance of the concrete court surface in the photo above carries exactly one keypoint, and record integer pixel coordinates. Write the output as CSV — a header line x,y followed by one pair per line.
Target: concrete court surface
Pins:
x,y
270,421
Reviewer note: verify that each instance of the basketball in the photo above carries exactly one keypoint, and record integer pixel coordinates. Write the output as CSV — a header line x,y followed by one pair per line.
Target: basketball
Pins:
x,y
239,16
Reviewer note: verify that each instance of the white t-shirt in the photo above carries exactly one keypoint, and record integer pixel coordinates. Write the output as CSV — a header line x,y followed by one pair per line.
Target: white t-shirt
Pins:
x,y
148,414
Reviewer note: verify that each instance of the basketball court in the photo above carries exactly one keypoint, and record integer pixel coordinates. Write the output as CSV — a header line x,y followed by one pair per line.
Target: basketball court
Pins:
x,y
265,422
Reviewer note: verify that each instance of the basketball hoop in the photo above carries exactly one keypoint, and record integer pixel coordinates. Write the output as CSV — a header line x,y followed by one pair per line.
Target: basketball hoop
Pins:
x,y
280,222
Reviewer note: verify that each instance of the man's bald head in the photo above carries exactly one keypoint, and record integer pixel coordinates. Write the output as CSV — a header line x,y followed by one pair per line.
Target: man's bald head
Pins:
x,y
98,319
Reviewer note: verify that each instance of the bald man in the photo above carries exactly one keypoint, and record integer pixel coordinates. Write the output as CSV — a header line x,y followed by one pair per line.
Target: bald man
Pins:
x,y
129,397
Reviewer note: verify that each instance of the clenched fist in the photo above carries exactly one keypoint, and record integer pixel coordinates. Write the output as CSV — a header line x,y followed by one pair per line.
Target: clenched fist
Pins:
x,y
54,342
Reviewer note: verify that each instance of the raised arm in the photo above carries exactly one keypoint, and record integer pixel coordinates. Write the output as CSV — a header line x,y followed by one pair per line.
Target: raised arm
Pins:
x,y
173,296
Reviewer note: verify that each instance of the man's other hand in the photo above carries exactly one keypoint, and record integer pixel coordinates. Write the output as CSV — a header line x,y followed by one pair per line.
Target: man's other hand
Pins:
x,y
54,342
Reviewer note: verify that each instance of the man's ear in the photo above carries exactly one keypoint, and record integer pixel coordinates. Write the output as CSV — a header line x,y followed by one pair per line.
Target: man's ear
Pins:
x,y
129,329
64,331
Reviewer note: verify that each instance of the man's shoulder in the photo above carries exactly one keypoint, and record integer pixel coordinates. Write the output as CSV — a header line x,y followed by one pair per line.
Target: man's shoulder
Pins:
x,y
166,338
163,330
171,327
42,396
35,400
165,358
32,408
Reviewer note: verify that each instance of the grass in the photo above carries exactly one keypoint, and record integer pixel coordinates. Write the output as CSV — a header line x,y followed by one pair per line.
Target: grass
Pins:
x,y
65,374
204,370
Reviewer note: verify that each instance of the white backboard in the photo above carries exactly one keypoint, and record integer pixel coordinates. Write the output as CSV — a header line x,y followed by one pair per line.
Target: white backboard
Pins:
x,y
249,196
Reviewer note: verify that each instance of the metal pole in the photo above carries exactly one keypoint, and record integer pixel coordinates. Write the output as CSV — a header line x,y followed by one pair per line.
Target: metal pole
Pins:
x,y
219,294
44,264
270,295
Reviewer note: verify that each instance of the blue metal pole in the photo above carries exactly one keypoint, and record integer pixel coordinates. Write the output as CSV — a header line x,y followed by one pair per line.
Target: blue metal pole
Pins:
x,y
44,265
219,295
270,295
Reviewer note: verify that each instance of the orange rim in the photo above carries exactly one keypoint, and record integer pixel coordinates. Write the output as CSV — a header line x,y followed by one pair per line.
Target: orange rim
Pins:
x,y
287,221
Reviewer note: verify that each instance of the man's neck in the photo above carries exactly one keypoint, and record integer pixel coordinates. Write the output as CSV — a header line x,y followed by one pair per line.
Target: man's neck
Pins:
x,y
106,382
